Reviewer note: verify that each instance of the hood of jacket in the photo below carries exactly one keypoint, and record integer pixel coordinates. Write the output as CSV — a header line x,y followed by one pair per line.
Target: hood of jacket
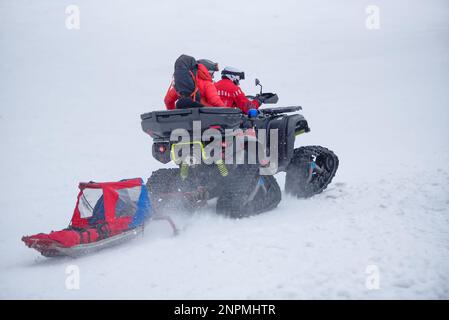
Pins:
x,y
203,73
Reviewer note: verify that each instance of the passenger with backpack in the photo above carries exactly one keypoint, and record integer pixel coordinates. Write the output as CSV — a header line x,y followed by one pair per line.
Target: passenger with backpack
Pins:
x,y
192,84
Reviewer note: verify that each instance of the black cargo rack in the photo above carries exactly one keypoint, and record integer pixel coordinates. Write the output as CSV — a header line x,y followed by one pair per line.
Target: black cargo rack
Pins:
x,y
160,124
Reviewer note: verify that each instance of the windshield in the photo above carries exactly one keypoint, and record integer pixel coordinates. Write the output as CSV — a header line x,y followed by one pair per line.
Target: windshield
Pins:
x,y
127,202
91,202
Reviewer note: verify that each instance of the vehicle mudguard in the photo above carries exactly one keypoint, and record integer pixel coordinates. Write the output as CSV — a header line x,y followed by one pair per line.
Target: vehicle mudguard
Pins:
x,y
287,125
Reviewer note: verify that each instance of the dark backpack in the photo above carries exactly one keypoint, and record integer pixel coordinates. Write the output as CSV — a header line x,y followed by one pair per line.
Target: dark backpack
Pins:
x,y
184,77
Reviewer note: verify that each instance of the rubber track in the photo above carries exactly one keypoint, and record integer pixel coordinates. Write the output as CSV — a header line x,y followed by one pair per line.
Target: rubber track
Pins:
x,y
295,181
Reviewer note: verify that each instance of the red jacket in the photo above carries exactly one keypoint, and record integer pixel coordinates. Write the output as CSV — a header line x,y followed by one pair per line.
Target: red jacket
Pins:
x,y
233,96
208,92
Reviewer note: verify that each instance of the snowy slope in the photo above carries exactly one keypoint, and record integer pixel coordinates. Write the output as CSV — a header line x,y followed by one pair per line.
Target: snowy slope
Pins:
x,y
69,111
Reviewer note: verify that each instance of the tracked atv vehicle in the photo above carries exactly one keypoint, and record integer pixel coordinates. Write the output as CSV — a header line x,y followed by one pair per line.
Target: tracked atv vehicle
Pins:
x,y
242,188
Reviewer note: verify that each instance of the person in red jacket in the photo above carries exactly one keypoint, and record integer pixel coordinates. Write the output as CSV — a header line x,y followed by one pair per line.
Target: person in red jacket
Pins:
x,y
206,87
230,92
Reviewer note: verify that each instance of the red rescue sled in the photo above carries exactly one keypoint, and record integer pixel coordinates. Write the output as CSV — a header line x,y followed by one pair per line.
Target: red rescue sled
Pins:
x,y
105,214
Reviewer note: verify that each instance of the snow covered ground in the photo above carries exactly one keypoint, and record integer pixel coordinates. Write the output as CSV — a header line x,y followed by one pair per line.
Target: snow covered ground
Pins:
x,y
70,102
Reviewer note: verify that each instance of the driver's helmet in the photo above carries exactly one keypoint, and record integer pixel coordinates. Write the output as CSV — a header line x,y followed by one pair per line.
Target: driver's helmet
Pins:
x,y
210,66
233,74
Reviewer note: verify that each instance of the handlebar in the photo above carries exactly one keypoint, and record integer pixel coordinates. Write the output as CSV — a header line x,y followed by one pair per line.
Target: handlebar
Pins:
x,y
280,110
